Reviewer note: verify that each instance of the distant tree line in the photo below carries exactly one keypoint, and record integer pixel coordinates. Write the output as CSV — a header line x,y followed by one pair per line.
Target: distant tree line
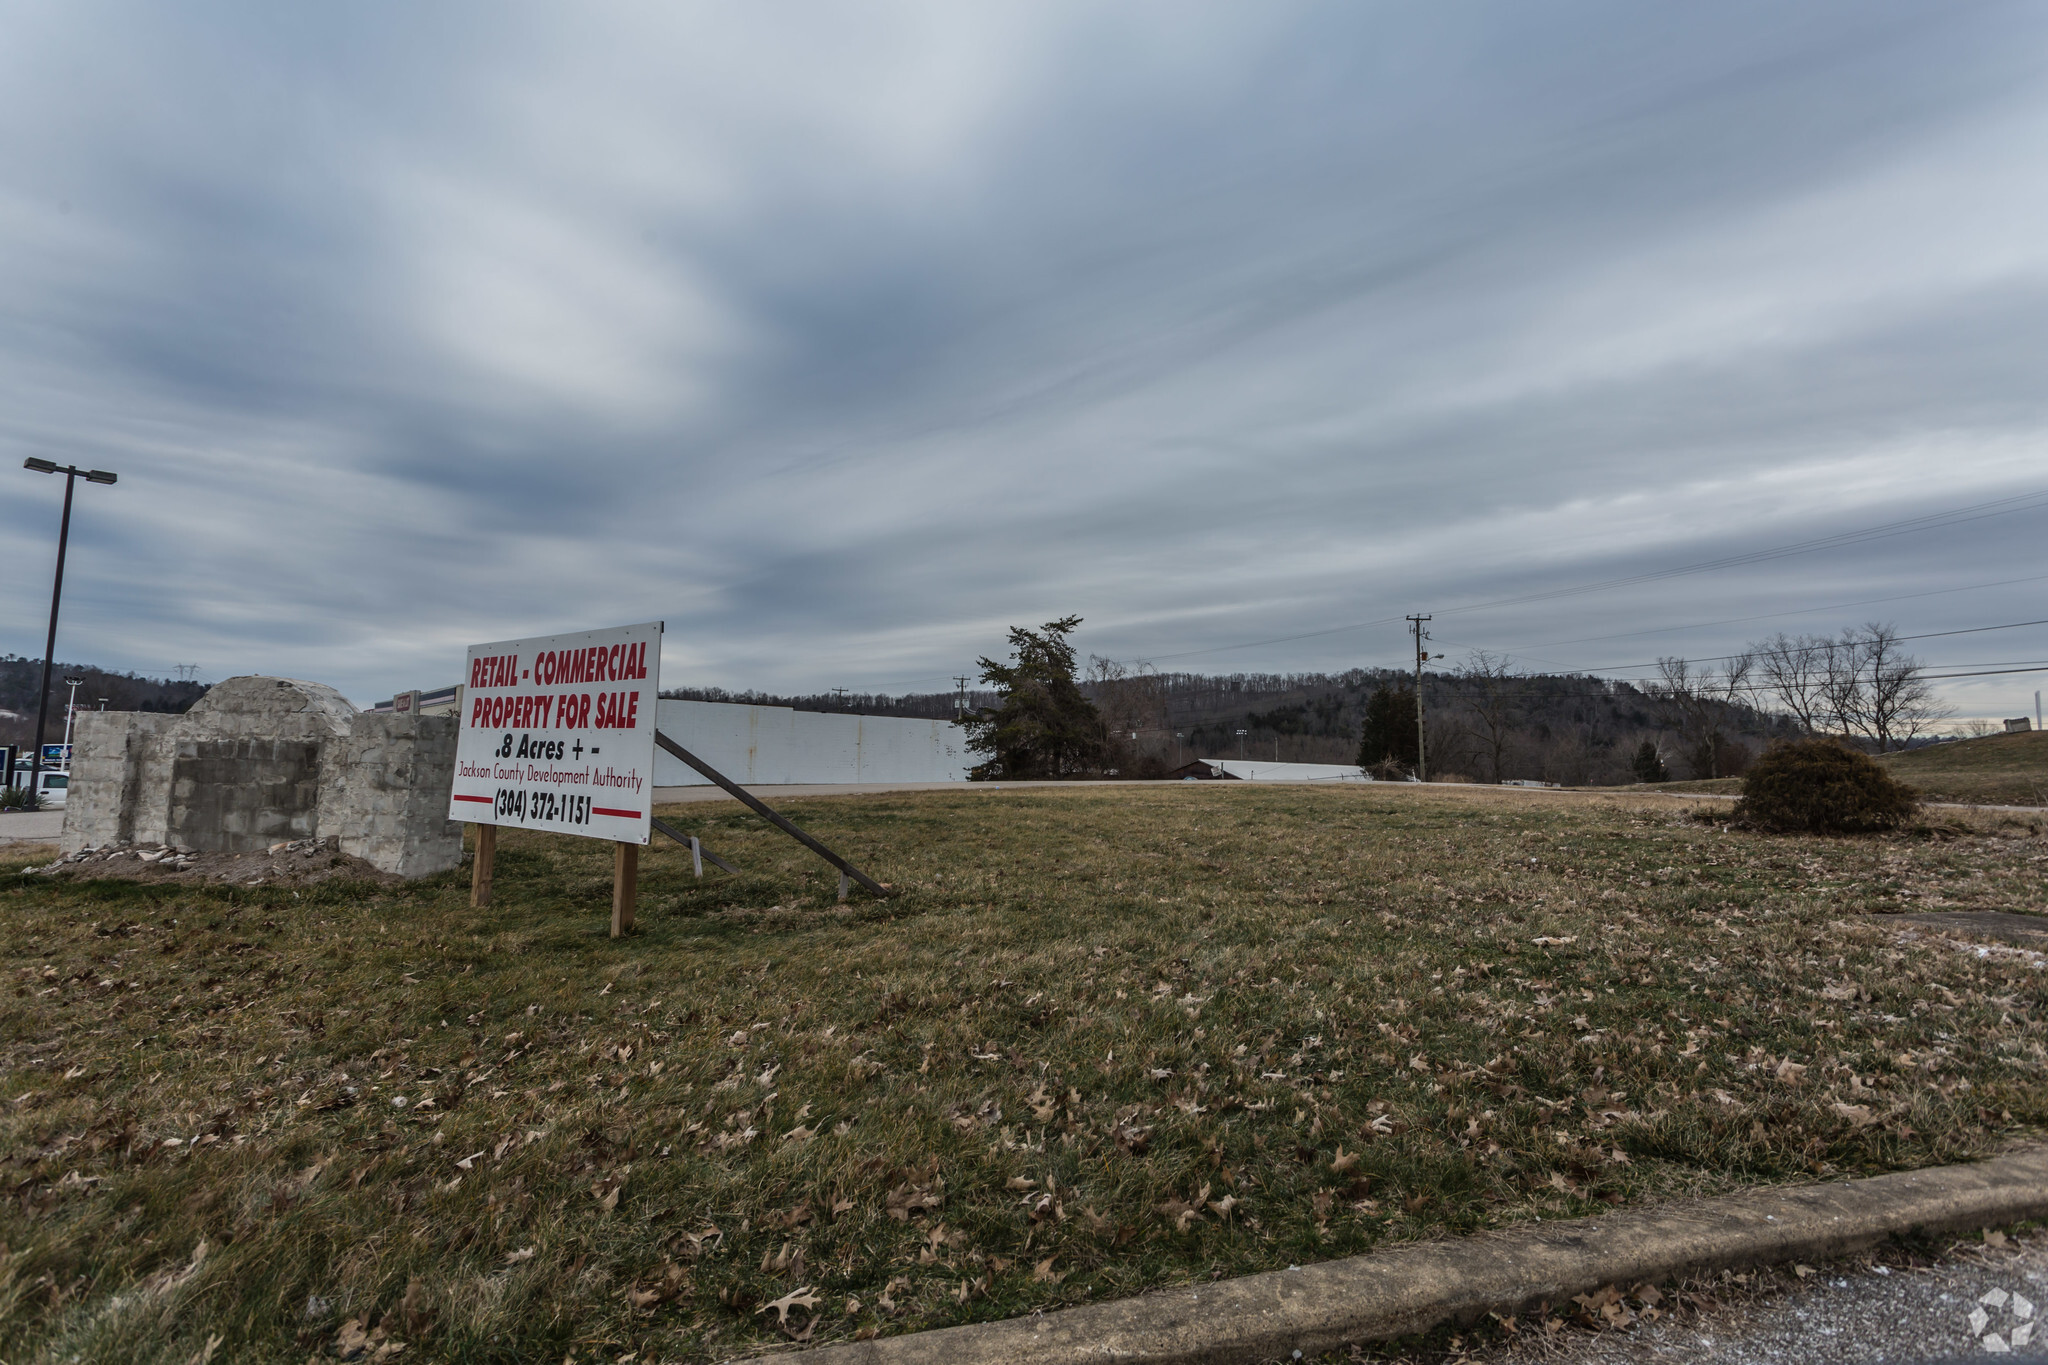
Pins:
x,y
911,705
1042,713
122,692
1695,719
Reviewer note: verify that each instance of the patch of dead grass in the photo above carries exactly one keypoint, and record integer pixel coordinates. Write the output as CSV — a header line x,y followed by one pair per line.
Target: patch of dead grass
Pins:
x,y
1102,1040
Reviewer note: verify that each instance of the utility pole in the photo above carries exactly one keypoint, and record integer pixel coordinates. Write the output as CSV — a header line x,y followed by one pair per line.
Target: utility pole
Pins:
x,y
839,694
960,706
1421,754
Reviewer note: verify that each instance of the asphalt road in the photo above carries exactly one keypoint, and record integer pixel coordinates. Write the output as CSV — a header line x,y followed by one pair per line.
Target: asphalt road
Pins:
x,y
1977,1302
31,827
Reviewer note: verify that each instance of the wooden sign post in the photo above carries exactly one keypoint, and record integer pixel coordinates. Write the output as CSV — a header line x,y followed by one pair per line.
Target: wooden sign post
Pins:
x,y
480,871
625,886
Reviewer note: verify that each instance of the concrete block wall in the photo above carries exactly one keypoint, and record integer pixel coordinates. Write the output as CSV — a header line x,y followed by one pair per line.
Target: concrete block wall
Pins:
x,y
771,745
244,794
110,750
261,760
385,793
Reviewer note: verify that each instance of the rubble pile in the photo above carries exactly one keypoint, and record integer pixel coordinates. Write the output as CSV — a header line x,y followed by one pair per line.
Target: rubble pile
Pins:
x,y
295,862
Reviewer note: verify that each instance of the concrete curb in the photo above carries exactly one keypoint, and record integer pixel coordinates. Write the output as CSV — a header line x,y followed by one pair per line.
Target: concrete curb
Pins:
x,y
1410,1289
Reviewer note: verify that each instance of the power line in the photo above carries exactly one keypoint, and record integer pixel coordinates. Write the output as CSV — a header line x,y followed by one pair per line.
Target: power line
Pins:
x,y
1810,649
1989,672
1777,615
2016,502
2011,503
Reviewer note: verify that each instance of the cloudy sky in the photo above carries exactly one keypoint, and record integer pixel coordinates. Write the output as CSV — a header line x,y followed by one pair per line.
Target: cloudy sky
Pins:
x,y
843,336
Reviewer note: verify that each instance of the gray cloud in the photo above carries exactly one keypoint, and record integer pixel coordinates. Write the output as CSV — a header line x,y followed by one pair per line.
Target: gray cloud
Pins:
x,y
842,338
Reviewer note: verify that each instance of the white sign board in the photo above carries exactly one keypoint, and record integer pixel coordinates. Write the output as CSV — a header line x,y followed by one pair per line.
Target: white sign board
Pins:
x,y
558,734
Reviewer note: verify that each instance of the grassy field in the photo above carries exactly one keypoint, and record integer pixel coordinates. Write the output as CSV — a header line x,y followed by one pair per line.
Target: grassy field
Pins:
x,y
1998,770
1099,1041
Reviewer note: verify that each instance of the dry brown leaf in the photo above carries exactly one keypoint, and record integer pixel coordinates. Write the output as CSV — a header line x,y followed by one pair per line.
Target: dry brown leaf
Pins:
x,y
413,1314
643,1298
1018,1182
1344,1160
1858,1114
795,1298
907,1199
1042,1272
515,1257
1791,1072
351,1342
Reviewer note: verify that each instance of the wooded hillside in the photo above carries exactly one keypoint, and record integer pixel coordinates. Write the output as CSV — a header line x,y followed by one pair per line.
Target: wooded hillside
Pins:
x,y
123,692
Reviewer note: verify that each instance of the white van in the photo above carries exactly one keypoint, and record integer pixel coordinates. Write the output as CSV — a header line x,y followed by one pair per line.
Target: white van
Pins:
x,y
54,784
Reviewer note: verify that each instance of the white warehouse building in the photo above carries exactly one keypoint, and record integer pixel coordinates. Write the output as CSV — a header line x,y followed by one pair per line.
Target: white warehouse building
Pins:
x,y
774,746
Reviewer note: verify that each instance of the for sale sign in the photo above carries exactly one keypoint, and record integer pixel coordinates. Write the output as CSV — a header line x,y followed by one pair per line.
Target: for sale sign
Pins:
x,y
558,733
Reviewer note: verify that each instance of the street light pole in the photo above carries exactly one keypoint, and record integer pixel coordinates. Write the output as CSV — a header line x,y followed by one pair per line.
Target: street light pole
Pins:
x,y
71,475
70,710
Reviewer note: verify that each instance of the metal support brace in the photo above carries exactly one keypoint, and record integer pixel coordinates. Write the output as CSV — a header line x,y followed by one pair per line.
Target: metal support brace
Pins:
x,y
699,855
760,808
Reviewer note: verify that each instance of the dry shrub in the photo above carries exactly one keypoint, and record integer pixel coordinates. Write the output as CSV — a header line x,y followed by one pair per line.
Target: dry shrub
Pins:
x,y
1819,786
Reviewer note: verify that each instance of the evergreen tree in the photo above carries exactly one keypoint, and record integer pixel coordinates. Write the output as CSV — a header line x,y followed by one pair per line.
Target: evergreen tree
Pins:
x,y
1044,726
1390,735
1649,764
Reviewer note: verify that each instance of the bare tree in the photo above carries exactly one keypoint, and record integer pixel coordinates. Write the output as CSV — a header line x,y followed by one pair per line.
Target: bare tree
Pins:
x,y
1489,694
1842,682
1132,701
1130,696
1703,699
1795,673
1897,702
